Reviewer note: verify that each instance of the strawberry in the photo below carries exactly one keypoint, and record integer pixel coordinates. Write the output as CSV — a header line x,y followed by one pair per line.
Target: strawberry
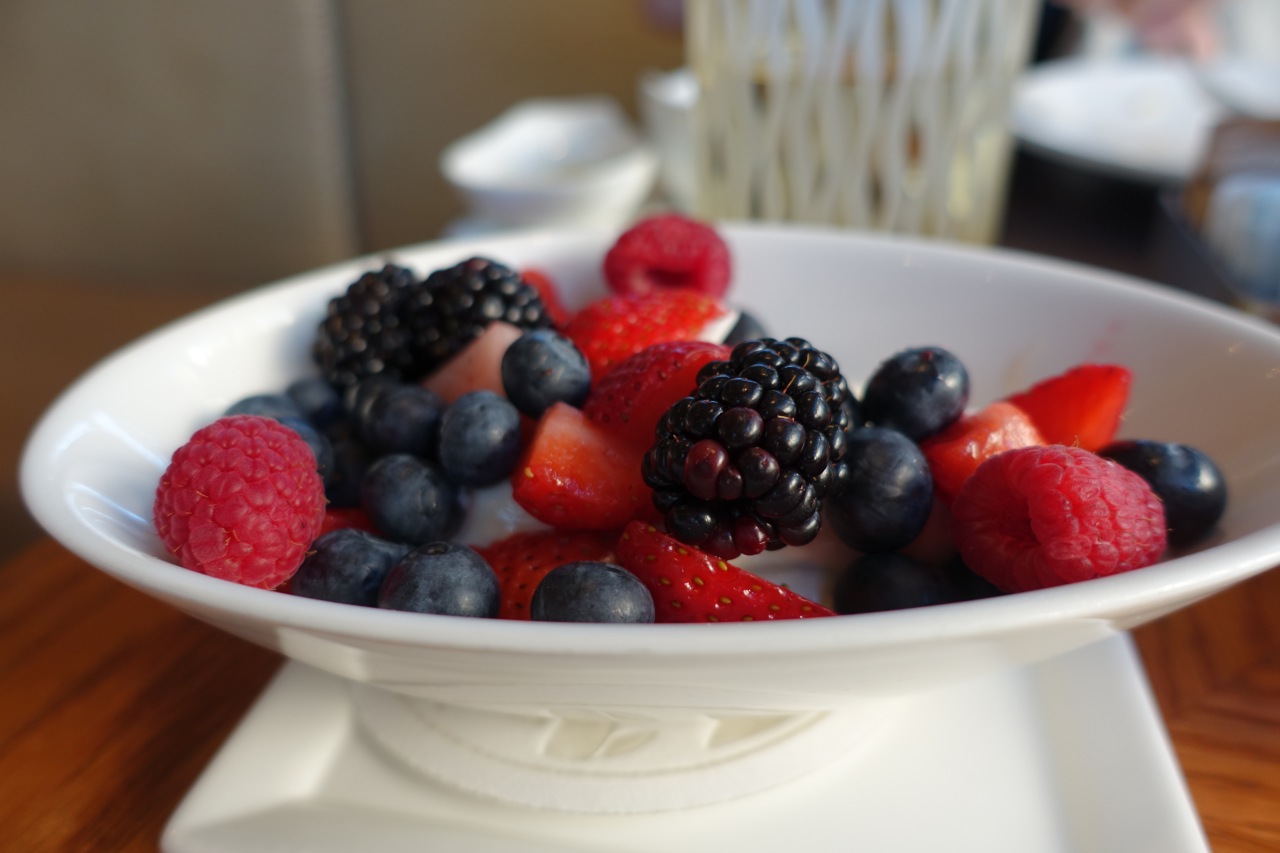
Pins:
x,y
630,398
546,287
575,475
522,559
615,327
1081,407
689,585
959,449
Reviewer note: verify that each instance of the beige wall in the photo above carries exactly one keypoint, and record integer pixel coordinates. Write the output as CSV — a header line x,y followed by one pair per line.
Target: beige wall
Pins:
x,y
198,143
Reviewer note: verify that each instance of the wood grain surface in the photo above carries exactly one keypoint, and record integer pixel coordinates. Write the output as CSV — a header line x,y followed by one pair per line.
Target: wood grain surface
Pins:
x,y
112,703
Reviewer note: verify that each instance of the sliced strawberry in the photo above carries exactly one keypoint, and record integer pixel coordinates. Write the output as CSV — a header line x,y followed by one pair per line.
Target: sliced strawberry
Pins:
x,y
689,585
1081,407
577,476
522,559
546,287
615,327
475,367
958,450
630,398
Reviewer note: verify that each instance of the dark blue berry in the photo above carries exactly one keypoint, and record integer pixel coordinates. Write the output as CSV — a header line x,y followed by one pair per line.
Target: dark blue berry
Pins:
x,y
347,566
401,418
591,592
890,581
318,401
918,392
443,578
1186,480
541,368
278,406
351,458
358,397
317,441
410,500
888,495
968,584
479,439
748,328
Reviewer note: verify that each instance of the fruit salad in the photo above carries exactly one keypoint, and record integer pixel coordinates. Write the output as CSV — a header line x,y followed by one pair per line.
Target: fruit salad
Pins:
x,y
467,446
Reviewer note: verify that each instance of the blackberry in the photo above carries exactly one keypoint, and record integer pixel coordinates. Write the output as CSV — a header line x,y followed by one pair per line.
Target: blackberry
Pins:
x,y
744,463
458,302
363,334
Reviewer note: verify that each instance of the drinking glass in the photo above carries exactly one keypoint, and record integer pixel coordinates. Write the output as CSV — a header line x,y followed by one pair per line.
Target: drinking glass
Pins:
x,y
890,115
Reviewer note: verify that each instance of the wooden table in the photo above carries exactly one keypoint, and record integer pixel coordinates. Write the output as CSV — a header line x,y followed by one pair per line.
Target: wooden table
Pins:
x,y
112,703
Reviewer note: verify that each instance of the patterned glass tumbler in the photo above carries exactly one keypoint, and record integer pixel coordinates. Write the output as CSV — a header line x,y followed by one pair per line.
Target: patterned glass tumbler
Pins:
x,y
888,115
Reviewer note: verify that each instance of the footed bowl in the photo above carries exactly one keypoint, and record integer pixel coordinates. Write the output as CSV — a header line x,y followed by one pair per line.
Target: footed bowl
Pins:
x,y
624,718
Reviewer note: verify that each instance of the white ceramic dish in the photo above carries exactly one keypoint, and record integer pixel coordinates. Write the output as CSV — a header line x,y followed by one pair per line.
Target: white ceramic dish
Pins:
x,y
553,162
1142,118
1249,85
742,705
1065,756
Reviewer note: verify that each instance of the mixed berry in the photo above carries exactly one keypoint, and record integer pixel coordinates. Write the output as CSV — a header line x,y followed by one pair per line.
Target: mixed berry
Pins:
x,y
470,447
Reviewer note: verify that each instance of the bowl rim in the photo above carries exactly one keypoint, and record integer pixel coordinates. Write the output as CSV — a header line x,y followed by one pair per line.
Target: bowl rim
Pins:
x,y
1196,574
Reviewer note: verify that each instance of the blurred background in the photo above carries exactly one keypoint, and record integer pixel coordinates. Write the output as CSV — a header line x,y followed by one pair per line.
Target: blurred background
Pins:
x,y
157,156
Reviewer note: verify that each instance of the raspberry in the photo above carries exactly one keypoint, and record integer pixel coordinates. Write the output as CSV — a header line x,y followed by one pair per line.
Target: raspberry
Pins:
x,y
1037,517
668,251
241,501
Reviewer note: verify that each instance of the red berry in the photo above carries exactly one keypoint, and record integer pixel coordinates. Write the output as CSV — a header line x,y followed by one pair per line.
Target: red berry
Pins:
x,y
630,398
960,448
521,560
341,518
1081,407
614,328
689,585
576,476
241,501
668,251
1037,517
546,287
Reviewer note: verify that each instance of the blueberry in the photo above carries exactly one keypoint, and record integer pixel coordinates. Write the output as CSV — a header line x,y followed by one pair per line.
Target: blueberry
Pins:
x,y
968,584
278,406
918,392
400,418
443,578
347,566
357,398
318,401
889,493
1186,480
541,368
748,328
890,581
410,500
316,440
479,439
588,591
350,461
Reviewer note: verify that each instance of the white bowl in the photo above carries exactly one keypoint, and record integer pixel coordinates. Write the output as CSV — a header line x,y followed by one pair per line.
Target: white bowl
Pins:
x,y
553,163
689,713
